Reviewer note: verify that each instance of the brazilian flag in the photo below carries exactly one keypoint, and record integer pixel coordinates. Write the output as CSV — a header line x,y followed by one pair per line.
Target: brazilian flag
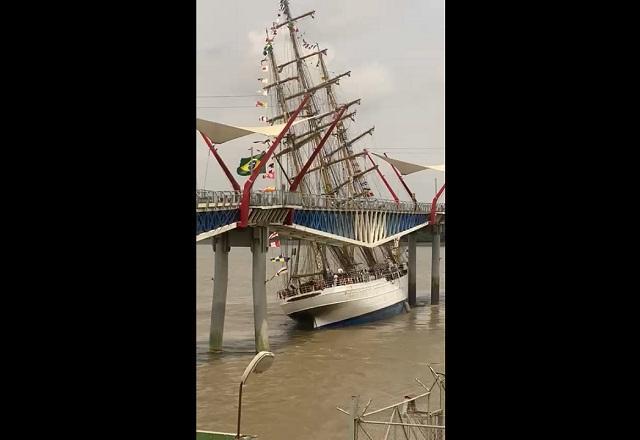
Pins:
x,y
247,164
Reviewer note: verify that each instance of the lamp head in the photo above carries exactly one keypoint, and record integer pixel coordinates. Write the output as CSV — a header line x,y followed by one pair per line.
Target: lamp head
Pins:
x,y
259,364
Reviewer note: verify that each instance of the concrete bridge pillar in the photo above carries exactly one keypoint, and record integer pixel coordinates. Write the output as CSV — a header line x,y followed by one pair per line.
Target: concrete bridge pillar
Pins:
x,y
412,269
259,247
435,265
219,301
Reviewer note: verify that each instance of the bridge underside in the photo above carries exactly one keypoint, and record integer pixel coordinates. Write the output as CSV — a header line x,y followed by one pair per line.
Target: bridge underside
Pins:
x,y
333,227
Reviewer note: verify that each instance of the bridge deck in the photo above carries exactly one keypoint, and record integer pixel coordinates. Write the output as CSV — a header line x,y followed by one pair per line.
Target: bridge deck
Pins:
x,y
330,220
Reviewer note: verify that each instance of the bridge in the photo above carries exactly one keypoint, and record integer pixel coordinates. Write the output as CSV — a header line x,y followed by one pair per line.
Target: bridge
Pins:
x,y
329,220
244,217
334,221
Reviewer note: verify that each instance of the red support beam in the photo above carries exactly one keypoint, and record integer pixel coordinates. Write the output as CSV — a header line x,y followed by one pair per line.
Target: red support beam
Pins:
x,y
246,191
393,194
432,220
303,171
233,181
306,166
402,180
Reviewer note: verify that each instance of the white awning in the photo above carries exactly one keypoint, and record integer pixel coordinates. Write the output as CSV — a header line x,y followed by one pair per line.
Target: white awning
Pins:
x,y
220,133
408,167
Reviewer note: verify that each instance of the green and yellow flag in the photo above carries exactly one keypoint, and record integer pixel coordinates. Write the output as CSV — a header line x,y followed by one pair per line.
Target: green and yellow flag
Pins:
x,y
247,164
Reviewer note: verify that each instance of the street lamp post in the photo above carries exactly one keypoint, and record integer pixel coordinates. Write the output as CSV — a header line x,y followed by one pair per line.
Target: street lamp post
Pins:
x,y
259,364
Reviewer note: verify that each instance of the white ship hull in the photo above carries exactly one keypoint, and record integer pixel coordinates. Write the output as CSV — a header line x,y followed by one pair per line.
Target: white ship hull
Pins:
x,y
348,304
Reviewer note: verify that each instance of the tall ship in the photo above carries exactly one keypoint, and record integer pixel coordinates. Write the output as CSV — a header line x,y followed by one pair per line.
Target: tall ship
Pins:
x,y
324,284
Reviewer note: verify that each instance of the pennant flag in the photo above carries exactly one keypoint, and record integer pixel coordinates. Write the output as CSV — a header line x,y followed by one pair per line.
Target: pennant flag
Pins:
x,y
247,164
261,104
269,189
262,119
271,174
309,45
280,259
267,47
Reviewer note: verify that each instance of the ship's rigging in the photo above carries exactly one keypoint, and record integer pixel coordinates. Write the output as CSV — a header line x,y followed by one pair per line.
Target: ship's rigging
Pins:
x,y
294,68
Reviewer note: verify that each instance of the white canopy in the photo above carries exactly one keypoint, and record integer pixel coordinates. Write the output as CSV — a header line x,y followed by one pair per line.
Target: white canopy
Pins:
x,y
408,167
220,133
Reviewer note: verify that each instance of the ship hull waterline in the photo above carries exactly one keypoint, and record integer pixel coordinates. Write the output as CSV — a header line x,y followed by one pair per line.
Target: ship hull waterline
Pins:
x,y
349,304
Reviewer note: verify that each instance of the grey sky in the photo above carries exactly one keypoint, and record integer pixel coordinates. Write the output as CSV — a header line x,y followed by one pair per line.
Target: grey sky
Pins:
x,y
395,50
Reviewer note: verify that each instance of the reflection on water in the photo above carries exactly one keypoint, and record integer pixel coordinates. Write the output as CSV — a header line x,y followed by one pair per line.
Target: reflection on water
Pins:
x,y
314,370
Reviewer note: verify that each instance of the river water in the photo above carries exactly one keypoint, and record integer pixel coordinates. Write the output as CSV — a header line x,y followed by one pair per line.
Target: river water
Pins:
x,y
314,370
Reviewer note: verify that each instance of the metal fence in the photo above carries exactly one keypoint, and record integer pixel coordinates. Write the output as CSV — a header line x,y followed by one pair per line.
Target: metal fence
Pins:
x,y
227,199
419,417
217,199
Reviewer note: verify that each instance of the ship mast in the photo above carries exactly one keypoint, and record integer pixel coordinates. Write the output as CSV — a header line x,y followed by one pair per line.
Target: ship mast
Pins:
x,y
335,171
315,254
352,164
330,176
306,86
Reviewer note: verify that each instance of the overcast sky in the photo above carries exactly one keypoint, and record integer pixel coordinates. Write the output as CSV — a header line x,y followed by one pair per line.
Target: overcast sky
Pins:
x,y
395,50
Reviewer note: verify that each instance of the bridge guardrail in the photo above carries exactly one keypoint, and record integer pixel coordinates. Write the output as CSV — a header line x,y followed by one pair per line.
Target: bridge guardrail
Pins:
x,y
217,199
226,199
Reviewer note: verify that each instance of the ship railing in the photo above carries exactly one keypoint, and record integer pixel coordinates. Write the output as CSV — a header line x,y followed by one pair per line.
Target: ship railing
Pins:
x,y
343,279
